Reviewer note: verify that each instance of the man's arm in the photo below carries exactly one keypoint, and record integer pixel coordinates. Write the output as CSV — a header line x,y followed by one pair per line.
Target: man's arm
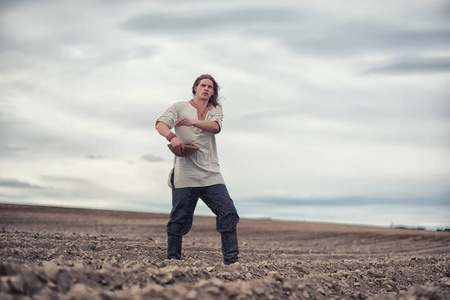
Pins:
x,y
208,126
165,131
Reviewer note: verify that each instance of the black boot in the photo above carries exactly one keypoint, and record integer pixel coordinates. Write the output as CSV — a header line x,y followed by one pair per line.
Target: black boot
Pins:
x,y
174,246
230,248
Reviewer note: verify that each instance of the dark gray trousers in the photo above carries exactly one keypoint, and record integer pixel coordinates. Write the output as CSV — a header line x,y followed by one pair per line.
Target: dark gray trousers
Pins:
x,y
216,197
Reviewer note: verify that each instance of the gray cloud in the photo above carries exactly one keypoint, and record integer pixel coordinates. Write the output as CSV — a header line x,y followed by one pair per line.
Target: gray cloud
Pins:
x,y
62,179
11,133
89,156
17,184
3,134
440,199
302,30
414,65
351,38
152,158
192,21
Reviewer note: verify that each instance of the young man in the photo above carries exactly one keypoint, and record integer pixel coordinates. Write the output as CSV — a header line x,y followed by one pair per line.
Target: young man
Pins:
x,y
196,122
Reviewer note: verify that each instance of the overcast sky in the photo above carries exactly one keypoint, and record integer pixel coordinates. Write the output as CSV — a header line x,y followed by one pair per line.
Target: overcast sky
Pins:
x,y
335,111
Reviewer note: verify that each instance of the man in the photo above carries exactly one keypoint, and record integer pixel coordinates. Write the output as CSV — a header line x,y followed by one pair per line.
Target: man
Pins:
x,y
196,122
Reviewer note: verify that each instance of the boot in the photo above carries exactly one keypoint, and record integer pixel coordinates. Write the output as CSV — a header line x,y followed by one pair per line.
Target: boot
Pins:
x,y
174,246
230,248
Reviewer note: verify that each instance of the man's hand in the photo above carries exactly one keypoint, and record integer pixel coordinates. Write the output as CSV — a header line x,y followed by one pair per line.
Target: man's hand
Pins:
x,y
184,121
208,126
177,145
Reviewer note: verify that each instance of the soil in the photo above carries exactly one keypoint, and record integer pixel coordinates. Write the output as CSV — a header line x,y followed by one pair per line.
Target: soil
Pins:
x,y
63,253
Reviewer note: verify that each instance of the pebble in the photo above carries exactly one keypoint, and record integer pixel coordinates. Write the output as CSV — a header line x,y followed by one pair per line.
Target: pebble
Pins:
x,y
246,288
225,275
213,290
248,276
191,295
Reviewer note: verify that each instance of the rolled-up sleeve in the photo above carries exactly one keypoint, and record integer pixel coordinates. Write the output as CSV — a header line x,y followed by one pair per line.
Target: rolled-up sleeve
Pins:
x,y
169,116
218,117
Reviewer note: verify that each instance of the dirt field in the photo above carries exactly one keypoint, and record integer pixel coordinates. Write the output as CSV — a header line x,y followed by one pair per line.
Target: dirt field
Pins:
x,y
60,253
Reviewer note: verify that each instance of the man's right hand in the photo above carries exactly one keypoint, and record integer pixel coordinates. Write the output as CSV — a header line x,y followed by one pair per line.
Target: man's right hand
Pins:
x,y
177,145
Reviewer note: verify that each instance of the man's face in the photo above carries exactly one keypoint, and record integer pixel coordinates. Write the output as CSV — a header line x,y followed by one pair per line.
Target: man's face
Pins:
x,y
204,90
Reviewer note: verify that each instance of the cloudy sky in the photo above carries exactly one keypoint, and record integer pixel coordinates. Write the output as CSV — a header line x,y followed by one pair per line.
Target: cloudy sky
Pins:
x,y
335,111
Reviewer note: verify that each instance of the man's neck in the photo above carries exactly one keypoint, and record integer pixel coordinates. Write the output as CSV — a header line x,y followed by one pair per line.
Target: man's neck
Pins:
x,y
200,103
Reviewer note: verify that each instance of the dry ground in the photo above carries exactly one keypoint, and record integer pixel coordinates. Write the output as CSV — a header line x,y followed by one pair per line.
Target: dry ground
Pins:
x,y
61,253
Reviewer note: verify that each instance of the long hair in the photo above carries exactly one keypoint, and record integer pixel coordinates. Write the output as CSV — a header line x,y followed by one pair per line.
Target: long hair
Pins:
x,y
213,99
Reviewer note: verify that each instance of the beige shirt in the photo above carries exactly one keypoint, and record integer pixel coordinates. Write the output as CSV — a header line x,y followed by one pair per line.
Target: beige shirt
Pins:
x,y
202,168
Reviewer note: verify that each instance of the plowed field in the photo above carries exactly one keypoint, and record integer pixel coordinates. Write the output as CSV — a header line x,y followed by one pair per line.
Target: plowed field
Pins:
x,y
62,253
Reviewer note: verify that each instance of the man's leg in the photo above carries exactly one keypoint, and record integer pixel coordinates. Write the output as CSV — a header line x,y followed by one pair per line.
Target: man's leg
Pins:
x,y
174,246
216,197
230,249
184,201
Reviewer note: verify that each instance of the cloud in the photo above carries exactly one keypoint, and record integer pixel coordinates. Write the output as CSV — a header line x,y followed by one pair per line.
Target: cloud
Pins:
x,y
413,65
16,184
70,180
438,200
307,90
315,31
94,156
152,158
358,37
194,21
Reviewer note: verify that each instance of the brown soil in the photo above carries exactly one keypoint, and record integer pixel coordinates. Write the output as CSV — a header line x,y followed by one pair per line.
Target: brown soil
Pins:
x,y
61,253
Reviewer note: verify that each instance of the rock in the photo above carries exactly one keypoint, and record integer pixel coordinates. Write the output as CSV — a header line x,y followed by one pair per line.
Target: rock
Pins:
x,y
202,283
50,270
248,276
274,276
216,282
166,278
288,286
225,275
80,292
16,284
191,295
69,263
259,289
445,281
63,281
214,290
246,288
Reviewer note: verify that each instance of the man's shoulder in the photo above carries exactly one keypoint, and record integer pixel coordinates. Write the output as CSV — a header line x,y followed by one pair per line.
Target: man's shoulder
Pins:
x,y
181,104
177,106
